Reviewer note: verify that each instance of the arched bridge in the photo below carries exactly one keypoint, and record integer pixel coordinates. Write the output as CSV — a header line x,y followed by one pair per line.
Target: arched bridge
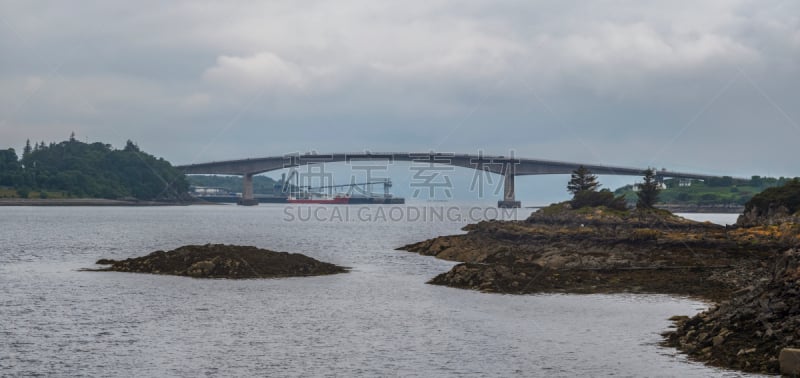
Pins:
x,y
507,166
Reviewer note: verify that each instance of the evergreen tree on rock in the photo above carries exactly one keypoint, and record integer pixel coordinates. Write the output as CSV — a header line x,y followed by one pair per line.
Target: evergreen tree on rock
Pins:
x,y
648,190
582,181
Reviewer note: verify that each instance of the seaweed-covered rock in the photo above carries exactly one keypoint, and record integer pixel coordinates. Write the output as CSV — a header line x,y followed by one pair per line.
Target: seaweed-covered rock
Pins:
x,y
223,261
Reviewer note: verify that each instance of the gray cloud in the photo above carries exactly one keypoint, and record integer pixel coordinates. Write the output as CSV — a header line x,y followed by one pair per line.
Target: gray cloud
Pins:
x,y
709,86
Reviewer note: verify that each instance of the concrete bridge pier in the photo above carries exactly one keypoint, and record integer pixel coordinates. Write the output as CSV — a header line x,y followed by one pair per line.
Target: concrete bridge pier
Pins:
x,y
508,202
247,191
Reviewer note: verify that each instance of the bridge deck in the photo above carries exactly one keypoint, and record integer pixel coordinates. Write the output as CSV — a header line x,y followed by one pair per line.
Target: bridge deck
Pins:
x,y
508,166
492,163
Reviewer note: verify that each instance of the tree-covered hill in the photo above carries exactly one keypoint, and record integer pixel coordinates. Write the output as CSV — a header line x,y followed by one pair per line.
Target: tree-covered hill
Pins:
x,y
93,170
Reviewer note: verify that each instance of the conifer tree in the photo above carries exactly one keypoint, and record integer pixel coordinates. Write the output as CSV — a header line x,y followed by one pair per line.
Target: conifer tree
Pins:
x,y
27,150
582,181
648,190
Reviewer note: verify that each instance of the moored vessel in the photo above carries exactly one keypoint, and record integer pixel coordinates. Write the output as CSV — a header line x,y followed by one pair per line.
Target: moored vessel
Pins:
x,y
339,199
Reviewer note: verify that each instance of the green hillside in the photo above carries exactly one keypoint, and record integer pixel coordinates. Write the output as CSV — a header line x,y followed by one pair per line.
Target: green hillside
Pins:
x,y
718,191
81,170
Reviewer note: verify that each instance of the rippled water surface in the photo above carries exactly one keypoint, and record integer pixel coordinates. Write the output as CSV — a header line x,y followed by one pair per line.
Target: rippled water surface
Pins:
x,y
381,319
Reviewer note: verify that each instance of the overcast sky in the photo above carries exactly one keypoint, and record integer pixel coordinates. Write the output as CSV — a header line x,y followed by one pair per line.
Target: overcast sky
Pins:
x,y
705,86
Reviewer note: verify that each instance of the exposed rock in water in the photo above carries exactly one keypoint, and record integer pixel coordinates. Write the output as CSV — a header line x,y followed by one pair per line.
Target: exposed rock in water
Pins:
x,y
533,278
598,250
223,261
562,214
749,331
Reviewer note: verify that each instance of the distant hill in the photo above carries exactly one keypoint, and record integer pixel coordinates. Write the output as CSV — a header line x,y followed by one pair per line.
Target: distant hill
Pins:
x,y
233,184
97,170
717,191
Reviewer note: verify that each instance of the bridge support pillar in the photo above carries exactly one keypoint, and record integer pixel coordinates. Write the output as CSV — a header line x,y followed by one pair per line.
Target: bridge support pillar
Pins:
x,y
247,191
508,201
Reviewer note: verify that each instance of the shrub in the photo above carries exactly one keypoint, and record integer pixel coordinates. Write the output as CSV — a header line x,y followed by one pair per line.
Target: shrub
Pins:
x,y
601,198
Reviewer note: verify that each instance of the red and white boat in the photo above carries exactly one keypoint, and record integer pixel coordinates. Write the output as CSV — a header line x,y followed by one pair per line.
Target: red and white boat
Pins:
x,y
339,199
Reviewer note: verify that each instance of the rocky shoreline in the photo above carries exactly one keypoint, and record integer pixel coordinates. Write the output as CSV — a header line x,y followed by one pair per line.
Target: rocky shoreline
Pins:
x,y
748,331
695,208
223,261
600,250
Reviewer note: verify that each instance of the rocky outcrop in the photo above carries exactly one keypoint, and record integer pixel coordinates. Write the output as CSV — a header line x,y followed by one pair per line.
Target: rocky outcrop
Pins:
x,y
771,215
749,331
223,261
778,205
562,214
599,250
532,278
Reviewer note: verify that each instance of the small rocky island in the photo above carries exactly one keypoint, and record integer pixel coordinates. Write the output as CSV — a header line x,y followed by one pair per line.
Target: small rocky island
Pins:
x,y
223,261
750,270
603,250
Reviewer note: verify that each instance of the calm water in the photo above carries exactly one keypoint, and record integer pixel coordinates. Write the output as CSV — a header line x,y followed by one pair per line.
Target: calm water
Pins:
x,y
381,319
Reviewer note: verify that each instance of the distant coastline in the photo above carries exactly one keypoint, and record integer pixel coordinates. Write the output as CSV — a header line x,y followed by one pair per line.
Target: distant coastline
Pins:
x,y
134,203
675,208
703,209
88,202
